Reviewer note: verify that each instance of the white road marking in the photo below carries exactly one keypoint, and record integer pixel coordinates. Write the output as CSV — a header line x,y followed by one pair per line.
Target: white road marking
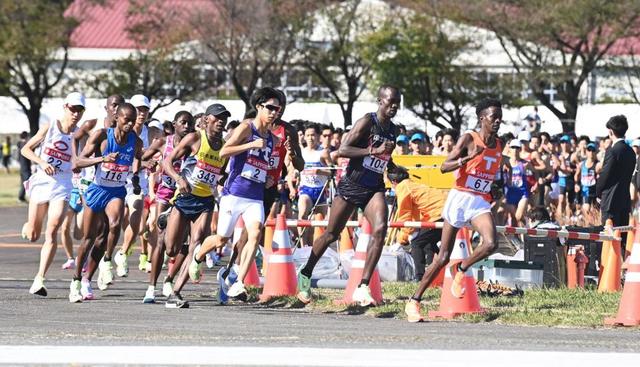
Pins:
x,y
258,356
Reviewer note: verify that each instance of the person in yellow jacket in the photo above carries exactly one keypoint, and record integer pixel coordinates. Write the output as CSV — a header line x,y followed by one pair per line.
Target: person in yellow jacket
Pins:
x,y
418,202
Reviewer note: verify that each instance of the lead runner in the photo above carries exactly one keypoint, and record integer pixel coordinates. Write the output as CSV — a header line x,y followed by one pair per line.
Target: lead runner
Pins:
x,y
477,158
368,146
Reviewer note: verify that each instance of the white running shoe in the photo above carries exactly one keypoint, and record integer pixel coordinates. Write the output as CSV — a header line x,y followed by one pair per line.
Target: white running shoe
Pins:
x,y
105,274
236,289
69,264
38,287
122,264
362,296
74,292
150,295
167,288
85,290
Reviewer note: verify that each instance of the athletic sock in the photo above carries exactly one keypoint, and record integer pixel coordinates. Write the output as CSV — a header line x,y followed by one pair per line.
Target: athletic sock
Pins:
x,y
77,278
306,272
107,259
417,299
364,281
460,268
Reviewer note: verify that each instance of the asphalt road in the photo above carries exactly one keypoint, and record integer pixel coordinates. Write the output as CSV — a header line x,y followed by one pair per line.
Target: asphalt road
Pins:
x,y
118,317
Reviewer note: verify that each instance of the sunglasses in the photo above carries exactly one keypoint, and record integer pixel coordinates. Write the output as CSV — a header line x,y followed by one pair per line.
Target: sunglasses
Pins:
x,y
271,107
76,109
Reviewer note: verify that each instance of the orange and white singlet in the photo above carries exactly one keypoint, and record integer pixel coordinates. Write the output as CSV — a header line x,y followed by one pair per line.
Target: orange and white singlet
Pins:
x,y
477,175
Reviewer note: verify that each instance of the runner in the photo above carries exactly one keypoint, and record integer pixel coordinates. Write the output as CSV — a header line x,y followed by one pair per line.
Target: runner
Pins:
x,y
50,186
566,182
313,180
368,146
516,185
476,159
115,151
197,183
250,148
134,210
183,124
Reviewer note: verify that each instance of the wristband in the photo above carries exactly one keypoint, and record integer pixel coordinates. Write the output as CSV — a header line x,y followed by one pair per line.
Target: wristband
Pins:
x,y
459,162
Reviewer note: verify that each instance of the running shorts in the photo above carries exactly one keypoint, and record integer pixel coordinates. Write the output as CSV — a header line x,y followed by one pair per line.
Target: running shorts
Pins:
x,y
164,194
97,197
45,189
356,194
232,207
191,206
314,193
462,207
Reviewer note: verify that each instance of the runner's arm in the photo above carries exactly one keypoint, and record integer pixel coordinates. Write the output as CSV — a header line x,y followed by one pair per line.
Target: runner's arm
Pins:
x,y
293,148
455,159
234,145
360,131
27,150
184,148
91,148
153,149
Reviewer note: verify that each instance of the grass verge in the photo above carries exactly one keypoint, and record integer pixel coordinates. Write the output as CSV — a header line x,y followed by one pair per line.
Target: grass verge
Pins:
x,y
543,307
9,187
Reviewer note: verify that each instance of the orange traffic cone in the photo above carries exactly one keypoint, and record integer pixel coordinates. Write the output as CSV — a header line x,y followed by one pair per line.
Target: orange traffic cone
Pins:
x,y
357,267
281,277
451,306
611,265
631,240
346,242
268,239
629,311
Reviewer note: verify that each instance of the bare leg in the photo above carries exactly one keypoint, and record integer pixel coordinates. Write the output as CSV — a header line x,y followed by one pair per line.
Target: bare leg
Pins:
x,y
248,254
33,227
114,212
65,235
304,209
447,241
199,230
55,217
376,213
133,229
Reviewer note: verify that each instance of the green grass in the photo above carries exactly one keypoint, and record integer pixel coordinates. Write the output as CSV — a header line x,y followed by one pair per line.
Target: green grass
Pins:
x,y
544,307
9,187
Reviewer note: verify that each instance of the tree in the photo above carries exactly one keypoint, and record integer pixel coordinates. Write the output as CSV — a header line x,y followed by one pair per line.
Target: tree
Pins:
x,y
415,54
336,56
164,75
550,42
250,41
34,39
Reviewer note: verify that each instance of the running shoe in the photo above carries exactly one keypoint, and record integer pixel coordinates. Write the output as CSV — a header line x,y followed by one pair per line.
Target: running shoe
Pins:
x,y
122,263
38,287
74,292
457,287
237,289
212,259
194,266
412,309
176,301
304,288
150,295
85,290
162,219
69,264
165,259
147,267
167,287
222,287
105,274
143,259
362,296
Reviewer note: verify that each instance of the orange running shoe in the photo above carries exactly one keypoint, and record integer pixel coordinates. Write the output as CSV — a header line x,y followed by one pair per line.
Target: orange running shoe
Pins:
x,y
457,289
412,309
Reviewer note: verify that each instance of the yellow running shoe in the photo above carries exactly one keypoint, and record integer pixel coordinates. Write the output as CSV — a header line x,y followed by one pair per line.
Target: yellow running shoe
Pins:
x,y
412,309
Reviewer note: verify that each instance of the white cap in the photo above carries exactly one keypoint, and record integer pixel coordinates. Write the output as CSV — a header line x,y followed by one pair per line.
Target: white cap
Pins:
x,y
515,143
635,143
74,99
524,136
140,101
157,124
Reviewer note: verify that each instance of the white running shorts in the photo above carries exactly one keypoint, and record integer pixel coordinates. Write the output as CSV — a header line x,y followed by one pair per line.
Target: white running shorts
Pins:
x,y
45,189
461,207
232,207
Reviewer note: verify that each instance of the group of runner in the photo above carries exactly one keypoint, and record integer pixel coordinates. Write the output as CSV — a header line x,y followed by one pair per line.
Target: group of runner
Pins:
x,y
126,173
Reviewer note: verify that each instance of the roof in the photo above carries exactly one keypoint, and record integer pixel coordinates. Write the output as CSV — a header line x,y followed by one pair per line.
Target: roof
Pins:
x,y
105,26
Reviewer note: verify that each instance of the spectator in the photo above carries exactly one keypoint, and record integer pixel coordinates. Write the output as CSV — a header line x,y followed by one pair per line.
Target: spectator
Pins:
x,y
336,138
325,138
402,145
613,185
418,145
449,138
6,153
25,167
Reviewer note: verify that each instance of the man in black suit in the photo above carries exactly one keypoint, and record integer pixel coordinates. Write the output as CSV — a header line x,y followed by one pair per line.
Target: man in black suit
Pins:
x,y
613,184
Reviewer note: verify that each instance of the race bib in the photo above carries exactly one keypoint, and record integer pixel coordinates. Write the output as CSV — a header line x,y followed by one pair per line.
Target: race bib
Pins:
x,y
588,180
478,184
113,174
60,161
255,169
274,161
516,181
375,164
206,173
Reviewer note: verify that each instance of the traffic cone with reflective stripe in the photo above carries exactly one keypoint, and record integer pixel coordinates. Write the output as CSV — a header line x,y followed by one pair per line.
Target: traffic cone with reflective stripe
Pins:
x,y
629,311
451,306
357,268
346,242
611,264
281,279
